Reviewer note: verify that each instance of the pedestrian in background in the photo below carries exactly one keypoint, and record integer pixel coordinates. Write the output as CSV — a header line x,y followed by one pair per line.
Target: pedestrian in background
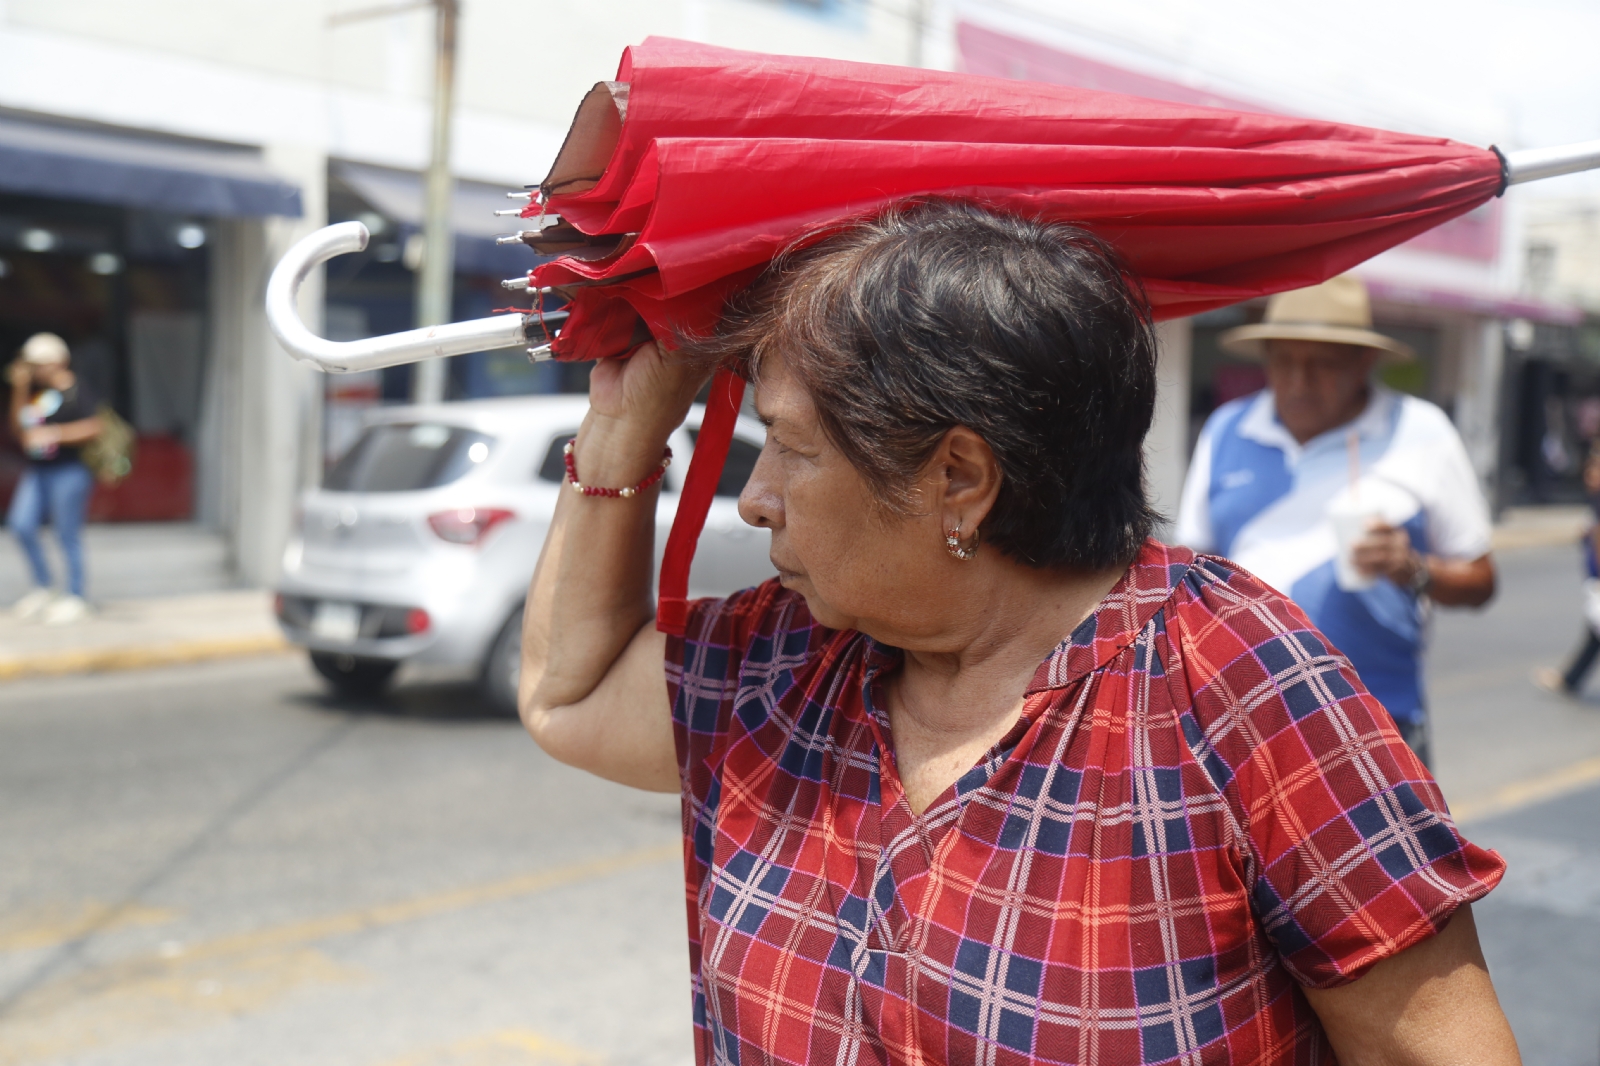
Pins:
x,y
53,414
1357,501
1569,682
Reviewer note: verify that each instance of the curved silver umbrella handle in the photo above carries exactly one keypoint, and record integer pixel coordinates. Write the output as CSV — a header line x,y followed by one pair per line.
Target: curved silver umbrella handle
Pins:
x,y
341,357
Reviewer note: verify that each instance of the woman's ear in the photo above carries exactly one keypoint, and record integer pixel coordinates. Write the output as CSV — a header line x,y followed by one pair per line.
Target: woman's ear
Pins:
x,y
969,475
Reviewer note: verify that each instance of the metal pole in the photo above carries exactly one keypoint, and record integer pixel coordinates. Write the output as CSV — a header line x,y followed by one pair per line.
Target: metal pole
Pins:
x,y
919,30
438,235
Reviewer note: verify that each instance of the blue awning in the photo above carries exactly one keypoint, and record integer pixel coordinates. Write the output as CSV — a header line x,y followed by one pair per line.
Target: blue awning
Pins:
x,y
133,170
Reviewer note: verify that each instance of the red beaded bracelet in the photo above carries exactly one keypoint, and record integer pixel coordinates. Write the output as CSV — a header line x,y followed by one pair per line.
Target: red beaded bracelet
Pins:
x,y
626,494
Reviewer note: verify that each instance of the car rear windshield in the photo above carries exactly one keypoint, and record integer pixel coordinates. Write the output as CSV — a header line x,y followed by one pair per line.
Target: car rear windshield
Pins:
x,y
407,457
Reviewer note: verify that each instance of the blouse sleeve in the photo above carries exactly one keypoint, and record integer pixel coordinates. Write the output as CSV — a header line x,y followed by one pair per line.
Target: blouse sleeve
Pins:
x,y
706,665
1351,853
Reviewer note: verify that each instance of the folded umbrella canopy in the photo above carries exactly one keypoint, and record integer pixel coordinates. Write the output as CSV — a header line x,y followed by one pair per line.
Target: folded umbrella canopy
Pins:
x,y
680,181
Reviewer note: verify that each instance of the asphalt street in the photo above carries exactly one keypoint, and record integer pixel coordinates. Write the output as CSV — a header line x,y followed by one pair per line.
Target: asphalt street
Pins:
x,y
221,864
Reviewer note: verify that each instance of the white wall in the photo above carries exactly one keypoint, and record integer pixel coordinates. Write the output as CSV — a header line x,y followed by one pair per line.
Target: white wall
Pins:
x,y
260,437
279,74
1166,449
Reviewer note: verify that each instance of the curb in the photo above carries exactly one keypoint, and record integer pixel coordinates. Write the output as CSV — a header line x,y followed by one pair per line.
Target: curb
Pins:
x,y
138,656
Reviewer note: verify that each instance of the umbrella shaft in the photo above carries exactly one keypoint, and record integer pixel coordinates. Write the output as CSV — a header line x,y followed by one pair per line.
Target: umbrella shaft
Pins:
x,y
1536,163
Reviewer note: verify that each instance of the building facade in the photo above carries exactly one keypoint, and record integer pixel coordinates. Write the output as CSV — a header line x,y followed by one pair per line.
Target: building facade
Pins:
x,y
157,158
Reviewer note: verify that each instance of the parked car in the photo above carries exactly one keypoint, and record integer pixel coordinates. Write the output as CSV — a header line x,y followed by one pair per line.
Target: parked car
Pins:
x,y
420,544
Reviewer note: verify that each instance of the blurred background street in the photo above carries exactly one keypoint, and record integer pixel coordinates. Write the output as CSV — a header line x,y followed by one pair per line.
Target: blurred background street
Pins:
x,y
222,863
215,848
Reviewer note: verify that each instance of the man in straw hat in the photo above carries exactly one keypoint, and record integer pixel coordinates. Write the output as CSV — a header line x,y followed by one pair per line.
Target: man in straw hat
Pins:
x,y
1357,501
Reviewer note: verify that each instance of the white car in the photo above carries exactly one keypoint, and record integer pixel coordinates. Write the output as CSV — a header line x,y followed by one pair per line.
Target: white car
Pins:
x,y
421,542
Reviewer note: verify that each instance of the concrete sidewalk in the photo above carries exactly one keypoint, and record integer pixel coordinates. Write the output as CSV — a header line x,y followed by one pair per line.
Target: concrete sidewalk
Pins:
x,y
1540,527
134,633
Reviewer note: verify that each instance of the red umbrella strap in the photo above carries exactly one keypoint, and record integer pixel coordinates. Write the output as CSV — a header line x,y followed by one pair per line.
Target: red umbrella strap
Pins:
x,y
699,487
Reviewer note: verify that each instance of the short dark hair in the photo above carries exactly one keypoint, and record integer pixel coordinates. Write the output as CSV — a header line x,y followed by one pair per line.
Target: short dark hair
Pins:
x,y
938,313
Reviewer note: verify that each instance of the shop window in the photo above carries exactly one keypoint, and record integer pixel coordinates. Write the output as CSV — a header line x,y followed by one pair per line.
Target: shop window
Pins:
x,y
128,289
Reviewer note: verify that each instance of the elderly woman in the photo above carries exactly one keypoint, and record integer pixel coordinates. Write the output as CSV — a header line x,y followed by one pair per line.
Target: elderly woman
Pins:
x,y
986,774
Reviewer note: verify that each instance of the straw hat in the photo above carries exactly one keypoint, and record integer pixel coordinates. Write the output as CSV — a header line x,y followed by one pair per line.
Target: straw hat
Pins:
x,y
1337,311
44,349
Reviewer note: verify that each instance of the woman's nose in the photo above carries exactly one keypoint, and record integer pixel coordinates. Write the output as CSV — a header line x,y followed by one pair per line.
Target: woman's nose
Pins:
x,y
759,504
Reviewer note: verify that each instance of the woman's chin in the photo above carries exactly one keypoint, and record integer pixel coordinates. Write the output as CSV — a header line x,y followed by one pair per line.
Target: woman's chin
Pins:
x,y
820,610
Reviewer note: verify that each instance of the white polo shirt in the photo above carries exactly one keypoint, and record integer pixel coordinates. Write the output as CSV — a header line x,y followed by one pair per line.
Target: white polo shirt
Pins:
x,y
1259,497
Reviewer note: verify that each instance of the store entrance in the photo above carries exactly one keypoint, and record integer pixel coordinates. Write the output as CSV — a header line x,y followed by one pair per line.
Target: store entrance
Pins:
x,y
127,289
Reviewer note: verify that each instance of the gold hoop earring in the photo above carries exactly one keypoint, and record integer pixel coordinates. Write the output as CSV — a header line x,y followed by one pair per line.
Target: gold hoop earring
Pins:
x,y
952,544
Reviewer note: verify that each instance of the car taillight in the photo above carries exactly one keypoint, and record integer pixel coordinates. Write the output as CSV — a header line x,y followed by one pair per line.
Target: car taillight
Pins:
x,y
467,525
417,620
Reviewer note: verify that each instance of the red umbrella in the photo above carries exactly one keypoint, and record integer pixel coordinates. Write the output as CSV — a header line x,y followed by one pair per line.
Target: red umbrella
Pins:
x,y
680,181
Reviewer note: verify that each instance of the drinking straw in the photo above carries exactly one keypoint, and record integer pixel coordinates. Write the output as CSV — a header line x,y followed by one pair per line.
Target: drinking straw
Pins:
x,y
1352,448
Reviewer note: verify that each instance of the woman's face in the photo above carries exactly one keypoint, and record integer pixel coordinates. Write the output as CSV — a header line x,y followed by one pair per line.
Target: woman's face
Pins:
x,y
48,375
858,565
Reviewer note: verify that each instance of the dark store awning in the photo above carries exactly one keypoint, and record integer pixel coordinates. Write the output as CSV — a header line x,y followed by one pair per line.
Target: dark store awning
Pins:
x,y
104,166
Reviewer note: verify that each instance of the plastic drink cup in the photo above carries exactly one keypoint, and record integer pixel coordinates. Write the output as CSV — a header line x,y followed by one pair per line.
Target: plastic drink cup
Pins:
x,y
1350,524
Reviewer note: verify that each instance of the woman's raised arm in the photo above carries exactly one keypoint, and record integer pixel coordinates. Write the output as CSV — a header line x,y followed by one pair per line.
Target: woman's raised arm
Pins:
x,y
593,692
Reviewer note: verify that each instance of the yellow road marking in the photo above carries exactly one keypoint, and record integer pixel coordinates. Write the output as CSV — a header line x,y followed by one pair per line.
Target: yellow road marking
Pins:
x,y
375,917
239,973
427,906
48,925
137,657
1528,792
78,1014
511,1046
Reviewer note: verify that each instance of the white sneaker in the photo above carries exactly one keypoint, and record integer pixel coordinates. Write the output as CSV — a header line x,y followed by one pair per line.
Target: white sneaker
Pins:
x,y
66,610
33,604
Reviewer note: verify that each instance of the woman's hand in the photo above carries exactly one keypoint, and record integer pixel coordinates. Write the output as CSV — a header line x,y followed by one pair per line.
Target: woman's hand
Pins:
x,y
20,375
649,388
1386,551
634,405
41,438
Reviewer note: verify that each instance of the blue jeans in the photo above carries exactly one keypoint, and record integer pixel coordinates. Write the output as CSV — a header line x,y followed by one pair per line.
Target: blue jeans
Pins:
x,y
60,490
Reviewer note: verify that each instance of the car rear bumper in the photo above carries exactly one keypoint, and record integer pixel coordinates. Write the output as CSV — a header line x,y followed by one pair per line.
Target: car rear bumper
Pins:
x,y
459,633
383,632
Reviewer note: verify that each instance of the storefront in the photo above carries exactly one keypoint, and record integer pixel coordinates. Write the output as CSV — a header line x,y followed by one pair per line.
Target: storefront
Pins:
x,y
106,238
1552,386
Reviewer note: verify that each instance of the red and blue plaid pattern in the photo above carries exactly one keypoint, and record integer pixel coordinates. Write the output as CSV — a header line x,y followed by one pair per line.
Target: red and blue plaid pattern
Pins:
x,y
1200,810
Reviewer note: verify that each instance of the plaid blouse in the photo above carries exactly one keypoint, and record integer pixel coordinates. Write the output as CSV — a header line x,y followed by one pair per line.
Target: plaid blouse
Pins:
x,y
1200,810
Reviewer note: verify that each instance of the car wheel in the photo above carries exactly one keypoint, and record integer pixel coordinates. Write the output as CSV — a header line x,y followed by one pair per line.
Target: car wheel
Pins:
x,y
354,675
502,668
